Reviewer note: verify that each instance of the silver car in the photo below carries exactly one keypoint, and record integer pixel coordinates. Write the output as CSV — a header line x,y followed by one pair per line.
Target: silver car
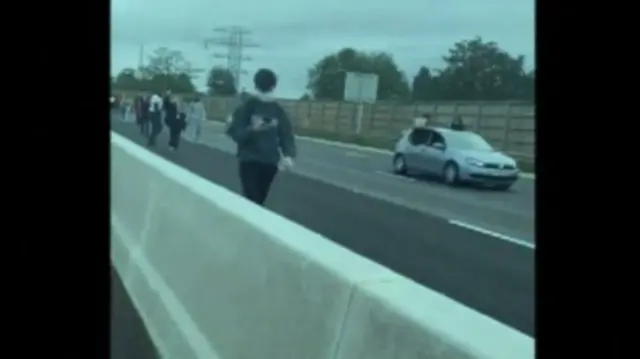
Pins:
x,y
455,156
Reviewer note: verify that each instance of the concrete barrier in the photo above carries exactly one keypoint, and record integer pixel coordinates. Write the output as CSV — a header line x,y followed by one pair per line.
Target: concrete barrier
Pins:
x,y
214,276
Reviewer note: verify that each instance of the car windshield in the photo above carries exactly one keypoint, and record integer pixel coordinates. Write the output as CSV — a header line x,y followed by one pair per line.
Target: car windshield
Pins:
x,y
467,141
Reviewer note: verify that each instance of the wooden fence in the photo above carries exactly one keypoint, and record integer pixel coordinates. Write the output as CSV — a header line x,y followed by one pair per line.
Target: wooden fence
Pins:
x,y
507,126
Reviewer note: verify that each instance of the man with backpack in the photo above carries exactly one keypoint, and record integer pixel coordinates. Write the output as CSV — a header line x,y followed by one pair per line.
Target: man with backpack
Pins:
x,y
264,137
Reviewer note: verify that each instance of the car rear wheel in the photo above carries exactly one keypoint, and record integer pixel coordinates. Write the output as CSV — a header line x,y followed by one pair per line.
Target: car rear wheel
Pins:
x,y
450,174
503,187
399,164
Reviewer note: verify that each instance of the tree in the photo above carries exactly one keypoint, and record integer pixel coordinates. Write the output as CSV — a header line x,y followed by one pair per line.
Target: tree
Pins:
x,y
476,71
327,78
169,62
166,70
221,82
529,85
126,80
425,85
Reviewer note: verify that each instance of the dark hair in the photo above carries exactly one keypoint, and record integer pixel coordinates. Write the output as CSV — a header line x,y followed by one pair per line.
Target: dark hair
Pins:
x,y
265,80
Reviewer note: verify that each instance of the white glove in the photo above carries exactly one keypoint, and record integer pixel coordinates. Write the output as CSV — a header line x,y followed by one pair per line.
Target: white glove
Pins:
x,y
286,163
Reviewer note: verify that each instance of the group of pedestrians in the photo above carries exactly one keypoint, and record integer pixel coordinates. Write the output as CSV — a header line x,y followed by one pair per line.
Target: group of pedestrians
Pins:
x,y
153,112
259,126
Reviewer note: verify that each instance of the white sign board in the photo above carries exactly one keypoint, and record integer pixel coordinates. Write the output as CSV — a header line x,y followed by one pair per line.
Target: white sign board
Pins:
x,y
360,87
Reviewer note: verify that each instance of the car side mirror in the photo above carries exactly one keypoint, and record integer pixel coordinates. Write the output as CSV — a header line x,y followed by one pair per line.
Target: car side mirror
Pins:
x,y
438,146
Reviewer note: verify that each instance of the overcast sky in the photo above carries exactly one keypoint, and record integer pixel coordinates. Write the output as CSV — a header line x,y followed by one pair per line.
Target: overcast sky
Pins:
x,y
294,34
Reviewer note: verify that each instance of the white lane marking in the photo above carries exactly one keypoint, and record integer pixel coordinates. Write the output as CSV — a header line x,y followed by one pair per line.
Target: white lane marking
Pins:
x,y
400,177
396,200
493,234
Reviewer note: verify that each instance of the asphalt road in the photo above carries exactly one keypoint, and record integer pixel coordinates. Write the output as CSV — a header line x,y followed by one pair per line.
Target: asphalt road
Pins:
x,y
493,276
507,215
129,337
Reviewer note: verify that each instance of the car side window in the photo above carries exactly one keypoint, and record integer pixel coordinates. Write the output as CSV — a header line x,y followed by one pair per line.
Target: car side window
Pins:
x,y
436,138
419,136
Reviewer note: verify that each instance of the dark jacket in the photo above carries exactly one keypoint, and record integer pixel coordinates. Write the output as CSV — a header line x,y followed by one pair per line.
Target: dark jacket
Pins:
x,y
174,119
171,113
262,145
144,108
457,125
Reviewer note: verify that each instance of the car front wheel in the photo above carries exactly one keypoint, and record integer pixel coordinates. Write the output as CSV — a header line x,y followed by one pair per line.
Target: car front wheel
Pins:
x,y
450,174
503,187
399,164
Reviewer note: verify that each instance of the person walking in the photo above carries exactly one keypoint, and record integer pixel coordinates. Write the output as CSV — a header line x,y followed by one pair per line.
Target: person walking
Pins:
x,y
457,124
137,106
144,115
123,108
113,105
174,119
155,118
166,98
264,137
197,116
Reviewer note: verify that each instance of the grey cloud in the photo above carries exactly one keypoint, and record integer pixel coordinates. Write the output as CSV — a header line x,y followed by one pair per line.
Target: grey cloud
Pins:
x,y
296,33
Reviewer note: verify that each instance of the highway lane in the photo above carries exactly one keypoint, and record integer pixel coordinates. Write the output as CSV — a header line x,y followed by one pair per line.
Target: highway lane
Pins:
x,y
506,215
129,337
494,277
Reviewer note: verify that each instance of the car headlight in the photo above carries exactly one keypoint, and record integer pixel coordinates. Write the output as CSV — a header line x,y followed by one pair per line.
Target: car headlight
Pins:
x,y
474,162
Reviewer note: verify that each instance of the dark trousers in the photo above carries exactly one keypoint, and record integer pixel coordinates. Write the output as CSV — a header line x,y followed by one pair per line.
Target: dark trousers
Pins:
x,y
256,179
156,128
143,123
174,137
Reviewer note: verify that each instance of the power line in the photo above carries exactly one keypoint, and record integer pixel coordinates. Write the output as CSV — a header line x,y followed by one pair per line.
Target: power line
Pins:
x,y
141,56
140,71
235,40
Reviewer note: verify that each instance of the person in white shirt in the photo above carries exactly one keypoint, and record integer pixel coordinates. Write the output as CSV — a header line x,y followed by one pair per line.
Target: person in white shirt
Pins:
x,y
422,121
197,115
112,106
155,103
155,118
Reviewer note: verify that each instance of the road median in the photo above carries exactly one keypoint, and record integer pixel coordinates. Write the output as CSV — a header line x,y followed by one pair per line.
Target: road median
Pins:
x,y
215,276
